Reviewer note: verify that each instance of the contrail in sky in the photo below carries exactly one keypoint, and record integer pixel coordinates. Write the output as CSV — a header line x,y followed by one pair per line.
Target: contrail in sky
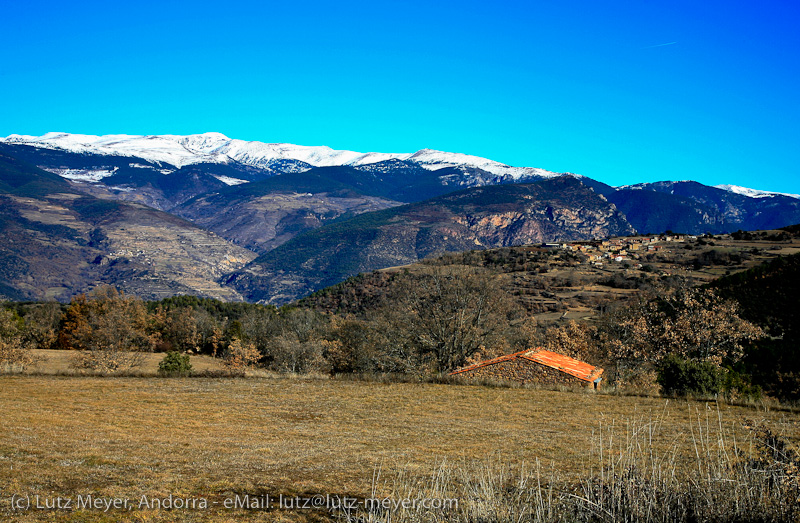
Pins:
x,y
659,45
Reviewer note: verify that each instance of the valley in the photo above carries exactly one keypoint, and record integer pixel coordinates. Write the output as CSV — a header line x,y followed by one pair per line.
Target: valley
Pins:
x,y
59,241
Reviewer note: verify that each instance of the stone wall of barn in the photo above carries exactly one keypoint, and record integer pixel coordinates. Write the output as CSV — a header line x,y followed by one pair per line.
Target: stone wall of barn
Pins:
x,y
523,371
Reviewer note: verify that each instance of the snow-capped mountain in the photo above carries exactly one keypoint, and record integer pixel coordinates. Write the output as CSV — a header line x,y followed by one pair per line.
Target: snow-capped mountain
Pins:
x,y
258,196
753,193
218,148
431,159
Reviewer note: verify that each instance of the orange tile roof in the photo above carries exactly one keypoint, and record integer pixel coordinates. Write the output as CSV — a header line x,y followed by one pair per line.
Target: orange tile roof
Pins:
x,y
571,366
485,363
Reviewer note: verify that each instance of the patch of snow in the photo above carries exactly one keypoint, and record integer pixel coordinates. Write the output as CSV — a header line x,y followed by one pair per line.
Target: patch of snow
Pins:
x,y
83,175
153,148
227,180
753,193
141,166
366,159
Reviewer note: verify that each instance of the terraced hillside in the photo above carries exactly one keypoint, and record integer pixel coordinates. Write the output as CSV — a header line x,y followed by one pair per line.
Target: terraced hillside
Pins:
x,y
59,241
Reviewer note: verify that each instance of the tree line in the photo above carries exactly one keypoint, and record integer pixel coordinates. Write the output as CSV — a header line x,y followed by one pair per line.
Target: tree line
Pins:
x,y
428,321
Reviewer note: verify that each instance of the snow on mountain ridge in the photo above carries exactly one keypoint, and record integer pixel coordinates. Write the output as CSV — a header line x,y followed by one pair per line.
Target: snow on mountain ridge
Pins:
x,y
753,193
197,148
217,148
161,149
431,159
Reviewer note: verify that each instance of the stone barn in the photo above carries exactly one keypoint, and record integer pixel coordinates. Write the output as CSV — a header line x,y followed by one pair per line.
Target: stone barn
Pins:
x,y
535,366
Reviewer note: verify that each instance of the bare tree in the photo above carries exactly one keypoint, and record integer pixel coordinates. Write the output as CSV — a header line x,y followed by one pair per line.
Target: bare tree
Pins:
x,y
289,341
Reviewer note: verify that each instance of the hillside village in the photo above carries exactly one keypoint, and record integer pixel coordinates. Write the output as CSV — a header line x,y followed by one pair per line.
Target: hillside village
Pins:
x,y
621,249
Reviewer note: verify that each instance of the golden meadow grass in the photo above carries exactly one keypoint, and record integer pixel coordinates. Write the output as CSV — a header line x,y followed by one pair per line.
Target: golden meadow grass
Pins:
x,y
205,437
48,361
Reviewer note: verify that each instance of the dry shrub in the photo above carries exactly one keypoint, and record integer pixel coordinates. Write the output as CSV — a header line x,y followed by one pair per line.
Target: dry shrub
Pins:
x,y
640,381
105,361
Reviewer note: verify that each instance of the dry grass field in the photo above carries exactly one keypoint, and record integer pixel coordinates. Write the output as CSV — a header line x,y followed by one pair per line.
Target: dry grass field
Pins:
x,y
114,437
61,362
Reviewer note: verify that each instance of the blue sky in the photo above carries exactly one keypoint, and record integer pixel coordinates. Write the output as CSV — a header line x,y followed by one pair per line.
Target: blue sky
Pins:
x,y
621,91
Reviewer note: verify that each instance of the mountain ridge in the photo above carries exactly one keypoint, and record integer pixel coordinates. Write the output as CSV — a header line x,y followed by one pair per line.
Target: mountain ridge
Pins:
x,y
217,148
213,147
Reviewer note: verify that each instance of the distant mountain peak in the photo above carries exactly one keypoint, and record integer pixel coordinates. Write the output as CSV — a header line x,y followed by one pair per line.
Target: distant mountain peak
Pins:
x,y
753,193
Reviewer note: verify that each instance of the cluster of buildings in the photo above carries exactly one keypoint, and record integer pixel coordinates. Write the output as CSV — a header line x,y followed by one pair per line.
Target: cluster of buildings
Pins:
x,y
619,249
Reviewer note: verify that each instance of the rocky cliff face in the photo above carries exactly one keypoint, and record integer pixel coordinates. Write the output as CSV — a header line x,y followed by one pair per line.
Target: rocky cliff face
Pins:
x,y
478,218
536,224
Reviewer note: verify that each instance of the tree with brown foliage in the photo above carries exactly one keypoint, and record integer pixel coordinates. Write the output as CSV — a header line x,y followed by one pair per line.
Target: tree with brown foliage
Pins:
x,y
178,329
691,323
573,339
75,325
110,328
15,354
240,355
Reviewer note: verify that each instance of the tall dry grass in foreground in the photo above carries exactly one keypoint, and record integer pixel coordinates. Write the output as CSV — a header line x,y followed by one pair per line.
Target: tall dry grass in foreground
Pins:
x,y
627,480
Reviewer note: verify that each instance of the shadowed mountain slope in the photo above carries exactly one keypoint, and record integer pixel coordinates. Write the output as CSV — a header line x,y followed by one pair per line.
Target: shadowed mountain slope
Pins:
x,y
694,208
476,218
264,214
